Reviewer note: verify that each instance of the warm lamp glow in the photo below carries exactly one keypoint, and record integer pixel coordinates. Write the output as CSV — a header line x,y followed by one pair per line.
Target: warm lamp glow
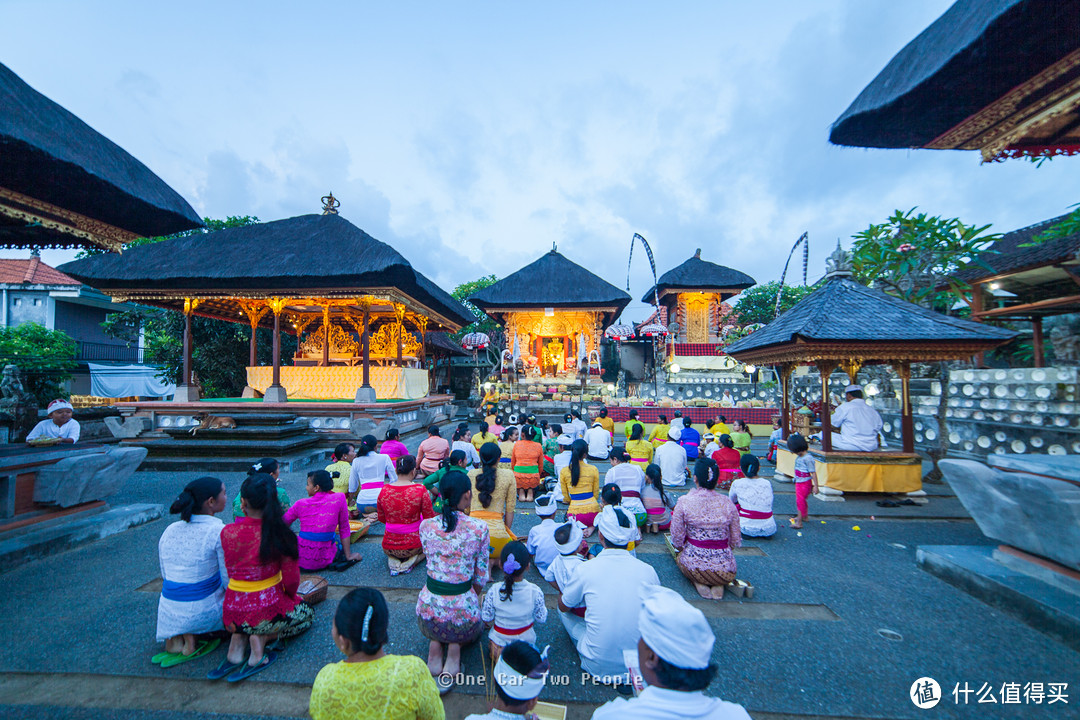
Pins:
x,y
675,367
749,369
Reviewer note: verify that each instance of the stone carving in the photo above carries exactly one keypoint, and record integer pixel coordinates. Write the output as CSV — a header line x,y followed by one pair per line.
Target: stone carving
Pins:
x,y
12,388
839,263
86,478
128,428
1066,347
366,426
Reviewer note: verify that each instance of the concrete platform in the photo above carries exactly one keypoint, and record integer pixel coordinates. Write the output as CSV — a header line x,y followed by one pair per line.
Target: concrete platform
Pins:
x,y
1051,610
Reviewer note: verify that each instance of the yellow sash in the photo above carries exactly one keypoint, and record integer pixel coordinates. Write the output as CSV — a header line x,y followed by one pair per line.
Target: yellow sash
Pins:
x,y
492,515
250,586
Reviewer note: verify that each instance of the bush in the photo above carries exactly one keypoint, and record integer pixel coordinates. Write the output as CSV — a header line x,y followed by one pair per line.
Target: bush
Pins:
x,y
46,358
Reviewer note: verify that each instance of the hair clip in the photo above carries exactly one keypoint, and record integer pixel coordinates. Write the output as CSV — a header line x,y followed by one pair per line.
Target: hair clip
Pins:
x,y
511,565
367,623
257,466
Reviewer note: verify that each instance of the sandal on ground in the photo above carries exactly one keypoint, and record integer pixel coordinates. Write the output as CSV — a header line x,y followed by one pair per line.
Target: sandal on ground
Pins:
x,y
736,588
248,670
162,656
204,648
887,503
225,668
278,645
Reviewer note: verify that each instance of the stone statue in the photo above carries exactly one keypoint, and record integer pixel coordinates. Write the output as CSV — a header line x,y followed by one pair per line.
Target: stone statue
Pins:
x,y
1066,347
12,388
839,263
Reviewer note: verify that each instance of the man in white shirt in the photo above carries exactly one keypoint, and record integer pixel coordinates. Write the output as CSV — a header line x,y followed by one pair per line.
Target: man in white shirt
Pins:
x,y
541,543
677,421
671,457
58,425
520,675
570,540
576,427
675,658
599,441
609,586
857,423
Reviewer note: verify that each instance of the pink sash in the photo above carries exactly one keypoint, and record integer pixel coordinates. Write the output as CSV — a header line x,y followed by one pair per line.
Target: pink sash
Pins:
x,y
631,493
403,528
753,514
371,485
655,511
708,544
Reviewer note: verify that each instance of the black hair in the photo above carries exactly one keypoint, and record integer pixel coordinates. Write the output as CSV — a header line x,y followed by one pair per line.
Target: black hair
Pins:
x,y
195,493
796,443
619,453
530,420
633,414
433,430
463,426
603,412
490,455
687,422
672,677
543,424
367,445
576,414
662,419
278,541
578,450
655,476
321,480
405,464
484,426
456,458
349,620
568,418
749,464
855,393
556,428
499,419
508,432
726,440
460,434
264,465
611,494
525,659
678,413
722,419
637,431
522,557
746,427
452,487
706,473
529,433
392,434
341,451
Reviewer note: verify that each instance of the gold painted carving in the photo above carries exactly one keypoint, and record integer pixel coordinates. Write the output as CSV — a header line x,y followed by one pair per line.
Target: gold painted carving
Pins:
x,y
341,343
277,304
383,342
93,232
564,323
697,316
851,366
255,311
190,304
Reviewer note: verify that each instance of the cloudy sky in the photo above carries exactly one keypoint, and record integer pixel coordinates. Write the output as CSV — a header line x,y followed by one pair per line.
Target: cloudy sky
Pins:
x,y
472,135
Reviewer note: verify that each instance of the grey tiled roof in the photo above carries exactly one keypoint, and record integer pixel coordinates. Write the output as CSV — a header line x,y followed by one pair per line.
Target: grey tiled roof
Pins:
x,y
843,310
1006,255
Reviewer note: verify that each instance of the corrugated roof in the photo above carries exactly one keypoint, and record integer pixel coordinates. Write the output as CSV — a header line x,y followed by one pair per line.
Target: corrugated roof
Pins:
x,y
1006,256
33,272
698,274
551,281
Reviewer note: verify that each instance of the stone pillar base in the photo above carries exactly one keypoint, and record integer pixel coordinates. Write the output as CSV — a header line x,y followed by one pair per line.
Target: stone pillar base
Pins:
x,y
275,394
365,394
186,393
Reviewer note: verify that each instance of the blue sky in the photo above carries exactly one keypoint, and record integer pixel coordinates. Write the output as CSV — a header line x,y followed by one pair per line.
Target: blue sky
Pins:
x,y
473,135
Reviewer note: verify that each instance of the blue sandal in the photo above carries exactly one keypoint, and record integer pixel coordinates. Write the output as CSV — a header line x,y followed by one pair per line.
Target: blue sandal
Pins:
x,y
249,670
225,668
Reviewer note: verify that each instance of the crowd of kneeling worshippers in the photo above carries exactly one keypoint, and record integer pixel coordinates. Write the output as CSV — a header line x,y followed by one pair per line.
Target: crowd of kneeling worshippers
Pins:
x,y
452,507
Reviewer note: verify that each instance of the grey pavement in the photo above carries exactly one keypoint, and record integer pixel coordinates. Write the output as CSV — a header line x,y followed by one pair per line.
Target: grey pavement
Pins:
x,y
808,644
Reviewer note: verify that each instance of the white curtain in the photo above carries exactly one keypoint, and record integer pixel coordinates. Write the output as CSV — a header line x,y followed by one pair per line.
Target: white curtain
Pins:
x,y
116,381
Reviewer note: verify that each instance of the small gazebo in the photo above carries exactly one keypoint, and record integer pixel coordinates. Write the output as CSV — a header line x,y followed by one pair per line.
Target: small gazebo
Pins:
x,y
848,325
358,300
64,185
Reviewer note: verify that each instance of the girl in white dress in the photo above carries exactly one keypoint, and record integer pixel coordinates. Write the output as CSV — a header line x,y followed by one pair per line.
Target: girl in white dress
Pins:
x,y
514,606
193,573
753,496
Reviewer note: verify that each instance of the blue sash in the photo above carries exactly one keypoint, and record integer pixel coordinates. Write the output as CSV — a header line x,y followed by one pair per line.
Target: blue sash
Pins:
x,y
581,496
317,537
190,592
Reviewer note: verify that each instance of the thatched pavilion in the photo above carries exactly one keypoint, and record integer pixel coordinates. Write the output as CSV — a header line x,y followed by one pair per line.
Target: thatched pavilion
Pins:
x,y
64,185
357,299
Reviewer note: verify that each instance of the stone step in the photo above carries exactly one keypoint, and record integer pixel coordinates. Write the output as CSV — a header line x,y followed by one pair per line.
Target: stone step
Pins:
x,y
57,537
313,459
244,432
227,447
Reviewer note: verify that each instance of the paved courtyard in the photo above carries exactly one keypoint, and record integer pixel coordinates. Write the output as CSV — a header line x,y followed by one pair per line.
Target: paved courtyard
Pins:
x,y
842,623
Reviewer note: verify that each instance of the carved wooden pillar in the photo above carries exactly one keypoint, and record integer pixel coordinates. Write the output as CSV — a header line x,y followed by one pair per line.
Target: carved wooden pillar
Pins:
x,y
907,420
186,391
1037,341
276,393
976,308
399,313
326,335
365,393
785,400
825,367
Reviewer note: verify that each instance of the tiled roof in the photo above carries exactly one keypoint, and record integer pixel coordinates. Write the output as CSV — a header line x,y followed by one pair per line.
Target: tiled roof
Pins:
x,y
33,272
1006,255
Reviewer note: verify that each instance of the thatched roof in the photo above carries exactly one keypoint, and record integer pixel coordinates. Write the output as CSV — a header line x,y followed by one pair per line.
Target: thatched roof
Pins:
x,y
441,342
844,312
1007,255
698,274
975,53
291,257
551,281
48,154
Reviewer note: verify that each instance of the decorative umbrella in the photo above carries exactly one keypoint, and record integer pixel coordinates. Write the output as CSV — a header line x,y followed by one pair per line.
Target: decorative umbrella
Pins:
x,y
619,332
652,330
475,340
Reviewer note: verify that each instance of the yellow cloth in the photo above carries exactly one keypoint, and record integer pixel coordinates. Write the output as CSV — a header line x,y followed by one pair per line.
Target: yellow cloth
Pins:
x,y
341,381
628,427
250,586
507,448
341,482
588,482
394,687
478,439
870,477
785,461
658,436
640,449
608,424
720,429
503,502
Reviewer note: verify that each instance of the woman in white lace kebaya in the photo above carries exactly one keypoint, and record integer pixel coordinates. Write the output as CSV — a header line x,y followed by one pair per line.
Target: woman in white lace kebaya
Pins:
x,y
193,572
753,496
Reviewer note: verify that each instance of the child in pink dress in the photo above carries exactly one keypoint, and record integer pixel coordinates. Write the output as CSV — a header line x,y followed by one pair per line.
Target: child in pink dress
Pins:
x,y
805,477
323,515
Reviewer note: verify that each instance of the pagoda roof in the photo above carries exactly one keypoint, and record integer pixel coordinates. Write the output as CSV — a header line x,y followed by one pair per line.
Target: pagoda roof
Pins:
x,y
1014,55
298,256
49,155
698,274
551,281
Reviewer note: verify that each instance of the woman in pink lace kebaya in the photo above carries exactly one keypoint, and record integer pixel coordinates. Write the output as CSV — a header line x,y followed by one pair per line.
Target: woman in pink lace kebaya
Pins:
x,y
704,529
323,515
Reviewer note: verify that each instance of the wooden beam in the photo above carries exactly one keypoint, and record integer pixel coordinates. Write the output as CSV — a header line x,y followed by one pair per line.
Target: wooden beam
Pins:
x,y
1027,308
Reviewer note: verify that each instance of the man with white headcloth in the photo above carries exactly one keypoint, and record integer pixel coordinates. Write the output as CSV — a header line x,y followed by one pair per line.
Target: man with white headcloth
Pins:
x,y
671,457
58,425
675,657
564,441
857,423
609,586
519,677
570,541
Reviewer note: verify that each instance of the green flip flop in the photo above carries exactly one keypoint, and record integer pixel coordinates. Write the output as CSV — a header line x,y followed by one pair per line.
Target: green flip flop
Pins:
x,y
161,657
203,648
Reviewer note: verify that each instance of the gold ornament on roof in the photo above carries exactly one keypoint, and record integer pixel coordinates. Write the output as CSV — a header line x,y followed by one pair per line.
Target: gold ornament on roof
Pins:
x,y
330,204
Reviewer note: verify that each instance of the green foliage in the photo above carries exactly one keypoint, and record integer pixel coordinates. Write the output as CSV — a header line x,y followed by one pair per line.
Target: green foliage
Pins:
x,y
758,304
212,225
483,323
915,257
46,358
1070,225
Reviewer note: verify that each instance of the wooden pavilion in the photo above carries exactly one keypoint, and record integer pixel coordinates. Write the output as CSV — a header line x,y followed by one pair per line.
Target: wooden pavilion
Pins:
x,y
551,306
64,185
1001,77
357,299
844,324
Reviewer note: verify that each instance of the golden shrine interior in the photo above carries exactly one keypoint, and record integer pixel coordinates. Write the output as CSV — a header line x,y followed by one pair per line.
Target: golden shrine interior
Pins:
x,y
549,340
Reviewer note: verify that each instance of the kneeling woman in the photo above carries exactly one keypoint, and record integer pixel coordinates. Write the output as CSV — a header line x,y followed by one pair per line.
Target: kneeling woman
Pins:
x,y
323,514
403,504
193,573
704,529
494,498
369,684
456,546
261,602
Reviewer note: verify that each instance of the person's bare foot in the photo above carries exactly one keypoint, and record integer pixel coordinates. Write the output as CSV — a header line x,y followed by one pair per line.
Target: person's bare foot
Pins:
x,y
453,660
434,660
237,645
189,644
718,592
704,590
796,523
174,644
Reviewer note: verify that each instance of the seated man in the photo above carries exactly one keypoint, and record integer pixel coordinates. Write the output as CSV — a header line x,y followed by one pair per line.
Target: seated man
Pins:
x,y
671,457
675,657
599,440
58,425
519,677
857,423
610,587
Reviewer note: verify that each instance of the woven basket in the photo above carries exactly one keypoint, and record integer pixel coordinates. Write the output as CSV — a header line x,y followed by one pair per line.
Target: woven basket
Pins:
x,y
317,595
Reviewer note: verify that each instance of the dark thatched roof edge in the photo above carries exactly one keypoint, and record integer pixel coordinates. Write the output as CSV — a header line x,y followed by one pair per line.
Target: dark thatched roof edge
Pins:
x,y
551,281
698,274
